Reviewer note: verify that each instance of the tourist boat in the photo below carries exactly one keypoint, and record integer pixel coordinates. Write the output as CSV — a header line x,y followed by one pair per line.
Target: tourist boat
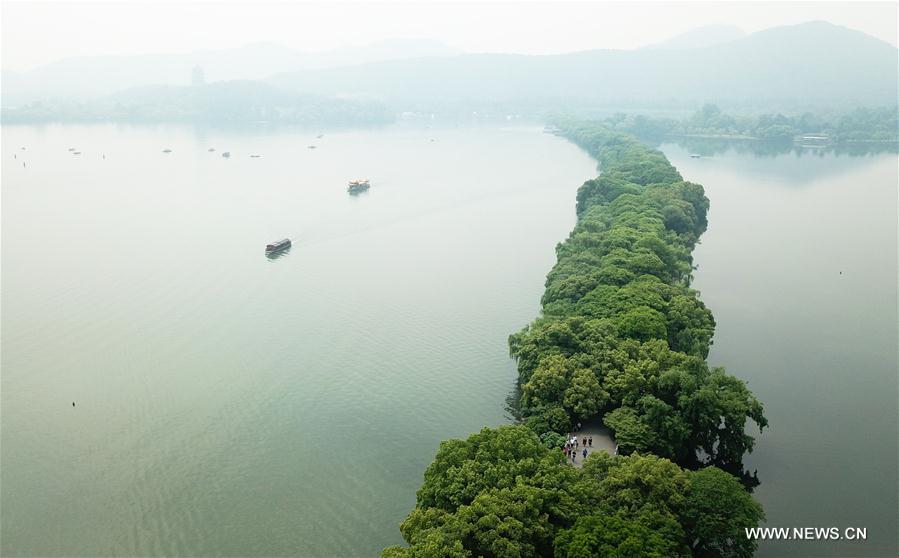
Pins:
x,y
282,244
360,185
695,155
166,150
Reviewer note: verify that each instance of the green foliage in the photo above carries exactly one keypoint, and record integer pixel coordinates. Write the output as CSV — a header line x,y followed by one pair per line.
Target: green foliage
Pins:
x,y
718,511
639,498
655,399
622,334
494,458
511,496
690,325
862,124
396,551
584,395
639,482
501,492
632,433
508,522
553,440
232,102
613,536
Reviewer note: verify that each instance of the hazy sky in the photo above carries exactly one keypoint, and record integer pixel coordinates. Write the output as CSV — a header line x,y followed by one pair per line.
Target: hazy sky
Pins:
x,y
35,33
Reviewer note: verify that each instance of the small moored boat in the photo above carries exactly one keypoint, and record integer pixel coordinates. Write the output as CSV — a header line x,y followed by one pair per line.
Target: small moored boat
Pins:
x,y
282,244
226,154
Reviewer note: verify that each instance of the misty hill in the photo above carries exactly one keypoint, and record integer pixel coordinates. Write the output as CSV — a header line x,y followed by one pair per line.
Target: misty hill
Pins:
x,y
237,101
705,36
803,65
87,77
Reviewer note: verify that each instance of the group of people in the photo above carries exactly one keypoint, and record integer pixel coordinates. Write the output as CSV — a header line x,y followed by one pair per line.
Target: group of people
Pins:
x,y
573,444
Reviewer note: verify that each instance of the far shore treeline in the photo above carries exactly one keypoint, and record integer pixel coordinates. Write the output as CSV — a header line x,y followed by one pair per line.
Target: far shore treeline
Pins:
x,y
623,337
862,124
225,102
707,130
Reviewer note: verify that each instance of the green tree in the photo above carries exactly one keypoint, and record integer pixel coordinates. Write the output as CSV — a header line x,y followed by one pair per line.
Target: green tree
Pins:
x,y
624,337
717,512
584,396
614,536
632,433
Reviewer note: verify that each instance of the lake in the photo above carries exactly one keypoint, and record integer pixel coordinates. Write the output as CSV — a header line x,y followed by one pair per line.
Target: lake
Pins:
x,y
232,404
798,266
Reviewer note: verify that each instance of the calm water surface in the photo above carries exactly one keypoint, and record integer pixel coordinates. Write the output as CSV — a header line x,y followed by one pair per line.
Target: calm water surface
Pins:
x,y
228,404
799,267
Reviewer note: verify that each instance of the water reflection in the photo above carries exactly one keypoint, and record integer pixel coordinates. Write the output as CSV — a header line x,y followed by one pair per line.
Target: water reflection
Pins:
x,y
708,147
513,403
278,254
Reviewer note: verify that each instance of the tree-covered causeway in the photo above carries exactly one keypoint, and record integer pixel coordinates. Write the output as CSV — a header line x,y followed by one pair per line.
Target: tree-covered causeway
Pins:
x,y
622,336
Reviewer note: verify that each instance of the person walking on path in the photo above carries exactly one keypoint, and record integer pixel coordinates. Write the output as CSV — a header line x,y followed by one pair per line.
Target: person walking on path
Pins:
x,y
585,453
591,441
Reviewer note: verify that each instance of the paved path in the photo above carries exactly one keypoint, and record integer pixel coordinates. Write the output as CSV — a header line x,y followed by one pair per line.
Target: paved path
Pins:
x,y
602,440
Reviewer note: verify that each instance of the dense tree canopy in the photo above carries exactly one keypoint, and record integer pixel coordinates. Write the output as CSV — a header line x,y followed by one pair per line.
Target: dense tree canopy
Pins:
x,y
622,336
622,333
501,492
507,495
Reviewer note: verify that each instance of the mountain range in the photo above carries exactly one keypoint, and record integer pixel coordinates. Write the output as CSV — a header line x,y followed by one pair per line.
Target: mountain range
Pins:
x,y
88,77
796,67
809,64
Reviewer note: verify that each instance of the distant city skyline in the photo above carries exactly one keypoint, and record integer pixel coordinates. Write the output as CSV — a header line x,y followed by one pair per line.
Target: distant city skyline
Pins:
x,y
37,33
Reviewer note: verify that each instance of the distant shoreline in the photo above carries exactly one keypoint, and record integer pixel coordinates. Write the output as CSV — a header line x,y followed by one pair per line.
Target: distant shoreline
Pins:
x,y
739,137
